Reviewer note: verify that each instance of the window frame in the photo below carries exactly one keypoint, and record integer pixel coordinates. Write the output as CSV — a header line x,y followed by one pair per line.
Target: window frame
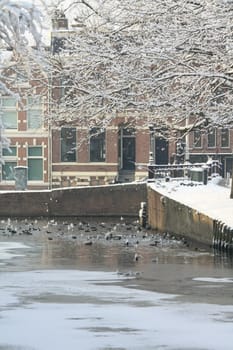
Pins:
x,y
67,155
214,132
197,145
97,137
5,166
228,137
9,158
31,157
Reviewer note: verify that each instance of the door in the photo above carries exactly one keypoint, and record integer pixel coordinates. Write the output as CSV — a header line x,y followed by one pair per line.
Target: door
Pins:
x,y
161,150
128,153
126,149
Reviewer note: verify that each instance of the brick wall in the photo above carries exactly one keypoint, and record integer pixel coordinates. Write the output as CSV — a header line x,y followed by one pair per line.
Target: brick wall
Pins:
x,y
113,200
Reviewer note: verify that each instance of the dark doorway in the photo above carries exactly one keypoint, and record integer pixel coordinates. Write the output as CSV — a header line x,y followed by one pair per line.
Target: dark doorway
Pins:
x,y
128,156
161,150
227,164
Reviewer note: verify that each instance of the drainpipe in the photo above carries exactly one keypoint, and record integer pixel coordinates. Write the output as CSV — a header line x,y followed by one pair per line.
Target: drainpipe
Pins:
x,y
49,134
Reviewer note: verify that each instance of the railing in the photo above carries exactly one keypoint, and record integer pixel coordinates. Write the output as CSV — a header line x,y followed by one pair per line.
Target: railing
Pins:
x,y
211,168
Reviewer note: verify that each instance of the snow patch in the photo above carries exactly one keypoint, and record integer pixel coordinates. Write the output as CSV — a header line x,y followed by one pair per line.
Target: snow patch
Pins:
x,y
212,199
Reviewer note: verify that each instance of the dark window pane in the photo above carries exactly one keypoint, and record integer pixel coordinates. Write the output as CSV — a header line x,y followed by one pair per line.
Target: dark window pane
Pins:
x,y
68,145
197,139
8,170
225,138
35,169
9,152
212,138
34,151
97,145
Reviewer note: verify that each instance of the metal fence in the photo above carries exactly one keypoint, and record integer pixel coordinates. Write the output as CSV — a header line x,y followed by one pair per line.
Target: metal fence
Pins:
x,y
210,169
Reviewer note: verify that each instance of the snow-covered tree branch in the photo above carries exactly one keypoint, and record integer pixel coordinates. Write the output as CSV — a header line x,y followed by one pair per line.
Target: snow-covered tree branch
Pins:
x,y
20,29
17,19
162,62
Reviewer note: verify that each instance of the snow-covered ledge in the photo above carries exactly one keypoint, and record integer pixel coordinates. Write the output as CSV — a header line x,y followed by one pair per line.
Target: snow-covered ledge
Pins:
x,y
189,208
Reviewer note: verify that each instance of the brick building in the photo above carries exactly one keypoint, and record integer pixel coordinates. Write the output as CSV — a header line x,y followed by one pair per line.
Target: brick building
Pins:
x,y
85,155
74,155
23,123
217,144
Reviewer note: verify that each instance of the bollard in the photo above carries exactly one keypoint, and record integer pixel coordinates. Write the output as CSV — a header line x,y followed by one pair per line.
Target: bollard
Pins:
x,y
142,214
20,178
205,176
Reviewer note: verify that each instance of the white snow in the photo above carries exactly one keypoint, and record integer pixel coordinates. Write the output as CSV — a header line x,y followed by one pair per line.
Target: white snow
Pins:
x,y
7,250
92,310
103,316
212,199
213,280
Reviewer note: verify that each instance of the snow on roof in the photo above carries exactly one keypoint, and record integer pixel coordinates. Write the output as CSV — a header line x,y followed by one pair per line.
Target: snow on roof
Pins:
x,y
212,199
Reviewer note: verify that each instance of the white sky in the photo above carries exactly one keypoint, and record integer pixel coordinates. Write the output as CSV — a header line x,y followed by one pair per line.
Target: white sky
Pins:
x,y
47,7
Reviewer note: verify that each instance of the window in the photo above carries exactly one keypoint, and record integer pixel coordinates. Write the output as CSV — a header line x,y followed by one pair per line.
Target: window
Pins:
x,y
62,87
68,145
58,44
9,112
212,138
66,90
35,163
34,113
10,162
97,145
8,170
197,139
225,138
65,85
11,152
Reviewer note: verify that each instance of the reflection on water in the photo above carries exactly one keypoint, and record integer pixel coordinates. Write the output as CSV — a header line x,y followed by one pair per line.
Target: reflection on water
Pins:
x,y
93,285
160,262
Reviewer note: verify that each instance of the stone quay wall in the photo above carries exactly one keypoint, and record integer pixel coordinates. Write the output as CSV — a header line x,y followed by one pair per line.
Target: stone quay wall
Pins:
x,y
168,215
163,213
113,200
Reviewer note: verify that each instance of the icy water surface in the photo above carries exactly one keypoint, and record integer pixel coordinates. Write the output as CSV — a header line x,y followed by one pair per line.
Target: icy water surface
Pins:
x,y
110,285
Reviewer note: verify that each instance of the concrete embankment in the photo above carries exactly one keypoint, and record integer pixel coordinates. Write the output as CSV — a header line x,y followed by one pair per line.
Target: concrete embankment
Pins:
x,y
112,200
195,215
168,215
200,213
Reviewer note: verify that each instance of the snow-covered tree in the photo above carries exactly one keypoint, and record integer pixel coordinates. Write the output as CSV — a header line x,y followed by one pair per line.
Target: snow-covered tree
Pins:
x,y
168,63
20,29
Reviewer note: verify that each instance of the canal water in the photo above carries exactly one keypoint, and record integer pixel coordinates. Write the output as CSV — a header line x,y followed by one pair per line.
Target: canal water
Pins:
x,y
106,284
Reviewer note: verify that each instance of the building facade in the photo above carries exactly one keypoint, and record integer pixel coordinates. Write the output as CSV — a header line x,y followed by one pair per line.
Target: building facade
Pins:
x,y
23,124
78,155
217,144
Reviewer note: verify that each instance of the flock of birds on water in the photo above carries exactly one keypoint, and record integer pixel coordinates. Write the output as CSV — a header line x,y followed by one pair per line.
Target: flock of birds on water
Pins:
x,y
127,233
